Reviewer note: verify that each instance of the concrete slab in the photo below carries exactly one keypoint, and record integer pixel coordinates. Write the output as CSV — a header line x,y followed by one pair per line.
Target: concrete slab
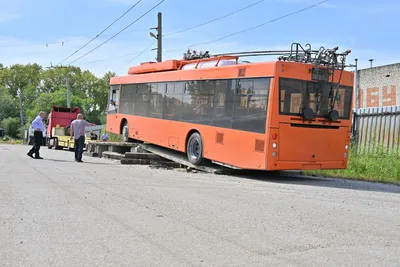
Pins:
x,y
182,159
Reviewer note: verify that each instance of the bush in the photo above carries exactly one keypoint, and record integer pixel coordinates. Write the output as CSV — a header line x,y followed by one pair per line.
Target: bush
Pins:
x,y
11,127
114,137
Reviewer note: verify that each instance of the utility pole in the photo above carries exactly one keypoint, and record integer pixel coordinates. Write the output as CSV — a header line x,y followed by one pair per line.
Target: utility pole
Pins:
x,y
67,84
21,110
158,37
68,91
356,89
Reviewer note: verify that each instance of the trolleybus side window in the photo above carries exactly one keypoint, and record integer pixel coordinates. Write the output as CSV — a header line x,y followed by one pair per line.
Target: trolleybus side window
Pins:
x,y
223,103
114,97
141,100
198,102
156,100
173,101
128,92
251,105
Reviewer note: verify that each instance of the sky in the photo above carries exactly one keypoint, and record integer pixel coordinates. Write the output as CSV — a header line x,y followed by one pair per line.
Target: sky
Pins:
x,y
46,32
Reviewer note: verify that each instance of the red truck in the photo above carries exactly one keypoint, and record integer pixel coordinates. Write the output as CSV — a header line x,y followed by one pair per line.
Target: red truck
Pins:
x,y
58,129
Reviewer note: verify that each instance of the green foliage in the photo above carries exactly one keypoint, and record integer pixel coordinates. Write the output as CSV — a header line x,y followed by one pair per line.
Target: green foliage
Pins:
x,y
9,106
379,165
11,126
58,98
114,137
40,88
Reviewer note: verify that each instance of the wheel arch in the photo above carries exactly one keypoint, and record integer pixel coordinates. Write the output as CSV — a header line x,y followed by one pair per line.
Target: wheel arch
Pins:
x,y
121,125
192,131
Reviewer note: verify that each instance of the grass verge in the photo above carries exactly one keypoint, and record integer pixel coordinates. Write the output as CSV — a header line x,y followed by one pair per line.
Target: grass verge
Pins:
x,y
114,137
377,166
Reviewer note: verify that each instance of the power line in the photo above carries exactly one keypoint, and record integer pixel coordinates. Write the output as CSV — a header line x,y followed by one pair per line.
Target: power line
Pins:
x,y
44,44
112,37
109,58
138,30
67,41
260,25
130,54
138,55
115,21
216,19
191,28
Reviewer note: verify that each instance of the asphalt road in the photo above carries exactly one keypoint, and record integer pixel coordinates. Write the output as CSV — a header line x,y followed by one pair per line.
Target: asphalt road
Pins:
x,y
56,212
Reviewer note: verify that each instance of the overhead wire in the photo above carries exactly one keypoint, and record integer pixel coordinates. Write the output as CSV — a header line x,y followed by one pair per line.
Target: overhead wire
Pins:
x,y
67,41
205,23
94,38
168,34
214,20
112,37
109,58
138,55
261,25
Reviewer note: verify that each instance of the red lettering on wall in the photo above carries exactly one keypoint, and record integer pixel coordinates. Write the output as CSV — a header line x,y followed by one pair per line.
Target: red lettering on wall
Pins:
x,y
389,96
360,98
372,97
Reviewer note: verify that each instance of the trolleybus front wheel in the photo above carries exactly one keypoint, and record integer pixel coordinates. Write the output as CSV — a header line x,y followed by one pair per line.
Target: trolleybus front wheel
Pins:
x,y
194,149
125,132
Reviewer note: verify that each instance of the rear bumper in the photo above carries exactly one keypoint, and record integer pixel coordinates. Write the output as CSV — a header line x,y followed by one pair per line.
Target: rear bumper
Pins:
x,y
287,165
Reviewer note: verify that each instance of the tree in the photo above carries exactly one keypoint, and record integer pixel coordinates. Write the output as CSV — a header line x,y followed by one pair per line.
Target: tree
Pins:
x,y
20,79
58,98
96,104
8,105
27,89
11,126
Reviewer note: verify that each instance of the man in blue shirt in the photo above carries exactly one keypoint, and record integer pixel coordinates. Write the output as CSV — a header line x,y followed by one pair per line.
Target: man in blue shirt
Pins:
x,y
38,129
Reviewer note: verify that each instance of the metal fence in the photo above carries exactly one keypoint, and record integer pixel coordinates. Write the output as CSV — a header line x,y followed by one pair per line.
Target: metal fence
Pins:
x,y
375,128
96,129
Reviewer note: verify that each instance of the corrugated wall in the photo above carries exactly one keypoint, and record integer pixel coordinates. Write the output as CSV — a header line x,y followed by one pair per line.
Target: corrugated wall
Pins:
x,y
377,127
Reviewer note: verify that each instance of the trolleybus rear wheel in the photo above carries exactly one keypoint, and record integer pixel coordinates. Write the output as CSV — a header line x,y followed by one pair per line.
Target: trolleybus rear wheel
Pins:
x,y
194,149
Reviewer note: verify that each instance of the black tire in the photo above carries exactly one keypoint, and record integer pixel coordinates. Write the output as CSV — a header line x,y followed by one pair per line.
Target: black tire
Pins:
x,y
50,143
194,149
56,146
125,132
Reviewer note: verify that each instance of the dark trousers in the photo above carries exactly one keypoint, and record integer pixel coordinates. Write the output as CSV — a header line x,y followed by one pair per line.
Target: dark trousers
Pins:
x,y
38,135
79,143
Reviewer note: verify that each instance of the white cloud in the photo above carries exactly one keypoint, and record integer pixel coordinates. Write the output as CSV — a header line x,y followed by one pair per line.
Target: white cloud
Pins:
x,y
5,18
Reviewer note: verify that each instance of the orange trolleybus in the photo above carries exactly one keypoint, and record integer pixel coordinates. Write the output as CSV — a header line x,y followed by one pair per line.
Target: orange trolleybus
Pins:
x,y
290,114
